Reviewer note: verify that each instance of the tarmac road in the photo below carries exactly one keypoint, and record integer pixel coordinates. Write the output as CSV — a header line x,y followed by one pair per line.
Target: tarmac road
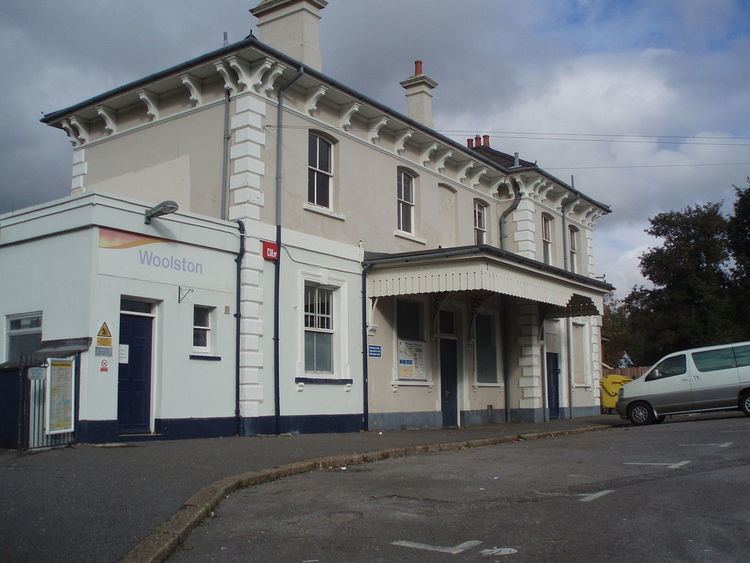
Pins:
x,y
89,503
675,491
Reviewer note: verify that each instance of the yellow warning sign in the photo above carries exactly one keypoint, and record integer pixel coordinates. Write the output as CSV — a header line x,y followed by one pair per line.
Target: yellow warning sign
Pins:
x,y
104,331
104,341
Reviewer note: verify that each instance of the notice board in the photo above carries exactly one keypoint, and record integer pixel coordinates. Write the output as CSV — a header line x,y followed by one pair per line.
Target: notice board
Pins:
x,y
60,395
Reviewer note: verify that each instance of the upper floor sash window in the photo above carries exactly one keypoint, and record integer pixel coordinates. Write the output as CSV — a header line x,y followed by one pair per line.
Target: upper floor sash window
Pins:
x,y
319,172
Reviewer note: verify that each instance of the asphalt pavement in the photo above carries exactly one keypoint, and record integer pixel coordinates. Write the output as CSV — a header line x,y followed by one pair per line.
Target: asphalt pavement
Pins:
x,y
669,492
88,503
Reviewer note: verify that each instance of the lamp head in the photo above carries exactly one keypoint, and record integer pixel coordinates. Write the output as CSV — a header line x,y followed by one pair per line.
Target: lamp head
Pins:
x,y
163,208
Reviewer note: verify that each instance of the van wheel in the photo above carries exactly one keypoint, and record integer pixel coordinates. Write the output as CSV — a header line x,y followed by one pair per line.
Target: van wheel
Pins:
x,y
640,414
745,403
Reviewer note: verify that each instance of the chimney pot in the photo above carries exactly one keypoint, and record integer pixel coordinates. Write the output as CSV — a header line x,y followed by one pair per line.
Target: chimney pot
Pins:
x,y
418,68
486,140
478,141
470,143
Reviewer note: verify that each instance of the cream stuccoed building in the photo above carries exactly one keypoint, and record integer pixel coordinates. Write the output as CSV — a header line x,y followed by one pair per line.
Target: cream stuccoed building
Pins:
x,y
334,265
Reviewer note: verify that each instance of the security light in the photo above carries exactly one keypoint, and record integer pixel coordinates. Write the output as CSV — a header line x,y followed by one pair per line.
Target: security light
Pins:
x,y
163,208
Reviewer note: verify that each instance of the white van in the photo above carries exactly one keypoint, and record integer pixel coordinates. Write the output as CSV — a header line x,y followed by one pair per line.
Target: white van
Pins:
x,y
702,379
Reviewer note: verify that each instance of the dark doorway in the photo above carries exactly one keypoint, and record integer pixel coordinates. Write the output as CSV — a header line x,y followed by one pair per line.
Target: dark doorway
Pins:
x,y
449,381
134,381
553,386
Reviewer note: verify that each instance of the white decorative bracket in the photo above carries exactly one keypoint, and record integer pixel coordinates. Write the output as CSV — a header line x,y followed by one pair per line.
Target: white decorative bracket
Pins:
x,y
72,135
376,124
83,129
250,78
442,159
270,79
544,190
229,83
109,117
496,183
463,170
311,98
345,119
399,146
152,104
424,156
195,89
474,180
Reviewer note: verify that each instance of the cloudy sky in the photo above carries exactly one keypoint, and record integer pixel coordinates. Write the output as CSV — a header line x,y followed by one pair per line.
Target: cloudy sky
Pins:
x,y
646,103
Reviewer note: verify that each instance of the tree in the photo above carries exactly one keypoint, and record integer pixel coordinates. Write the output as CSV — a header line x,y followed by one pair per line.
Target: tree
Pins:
x,y
690,303
738,231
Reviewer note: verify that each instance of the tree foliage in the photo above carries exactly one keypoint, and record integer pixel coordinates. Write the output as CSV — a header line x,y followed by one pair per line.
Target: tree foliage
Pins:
x,y
701,284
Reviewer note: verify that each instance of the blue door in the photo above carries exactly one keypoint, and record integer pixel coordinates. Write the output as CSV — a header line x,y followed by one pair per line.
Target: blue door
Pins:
x,y
449,381
553,386
134,383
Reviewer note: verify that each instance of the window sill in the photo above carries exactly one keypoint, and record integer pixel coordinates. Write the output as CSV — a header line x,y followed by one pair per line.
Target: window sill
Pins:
x,y
582,386
323,380
323,211
205,357
488,385
412,382
408,236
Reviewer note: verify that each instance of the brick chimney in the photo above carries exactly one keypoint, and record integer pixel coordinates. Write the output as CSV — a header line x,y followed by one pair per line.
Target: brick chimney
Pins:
x,y
419,95
292,27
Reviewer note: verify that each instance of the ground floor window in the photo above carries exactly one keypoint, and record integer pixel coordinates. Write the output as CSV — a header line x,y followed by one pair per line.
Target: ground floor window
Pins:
x,y
24,335
411,346
202,329
485,343
319,329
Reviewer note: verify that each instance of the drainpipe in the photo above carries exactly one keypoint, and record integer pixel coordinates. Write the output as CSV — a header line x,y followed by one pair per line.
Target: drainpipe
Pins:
x,y
506,358
225,160
511,209
277,271
568,320
365,376
238,326
543,362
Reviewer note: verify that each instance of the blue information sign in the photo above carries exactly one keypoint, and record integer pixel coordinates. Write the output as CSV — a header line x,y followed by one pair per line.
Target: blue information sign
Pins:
x,y
374,351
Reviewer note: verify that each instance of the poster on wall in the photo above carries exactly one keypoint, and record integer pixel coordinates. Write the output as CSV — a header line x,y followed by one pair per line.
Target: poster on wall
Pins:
x,y
411,360
60,395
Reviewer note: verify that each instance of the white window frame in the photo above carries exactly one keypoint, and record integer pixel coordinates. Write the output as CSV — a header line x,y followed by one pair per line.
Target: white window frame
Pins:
x,y
402,203
573,248
320,138
9,332
480,222
547,238
494,315
209,330
340,322
319,318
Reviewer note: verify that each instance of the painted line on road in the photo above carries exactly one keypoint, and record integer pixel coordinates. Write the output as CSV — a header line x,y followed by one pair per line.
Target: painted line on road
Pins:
x,y
734,431
722,445
426,547
667,465
594,496
498,551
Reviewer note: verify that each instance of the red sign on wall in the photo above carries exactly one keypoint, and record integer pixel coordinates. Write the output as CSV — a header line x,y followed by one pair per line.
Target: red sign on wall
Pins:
x,y
270,251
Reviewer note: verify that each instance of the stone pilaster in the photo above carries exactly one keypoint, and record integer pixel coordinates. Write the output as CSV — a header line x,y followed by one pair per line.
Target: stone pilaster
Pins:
x,y
80,169
524,229
245,202
529,358
589,252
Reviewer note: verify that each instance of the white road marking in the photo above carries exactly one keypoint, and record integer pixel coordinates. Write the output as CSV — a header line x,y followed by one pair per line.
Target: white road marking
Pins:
x,y
498,551
594,496
734,431
667,465
450,550
722,445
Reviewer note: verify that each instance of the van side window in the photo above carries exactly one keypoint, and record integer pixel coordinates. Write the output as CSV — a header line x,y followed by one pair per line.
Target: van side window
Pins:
x,y
742,353
714,360
670,367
